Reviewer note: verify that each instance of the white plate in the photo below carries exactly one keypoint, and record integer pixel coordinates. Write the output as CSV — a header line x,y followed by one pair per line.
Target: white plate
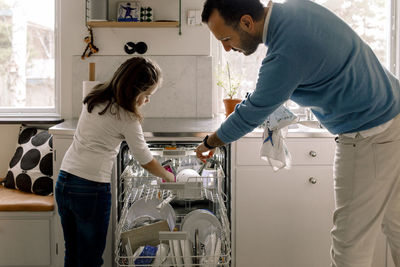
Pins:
x,y
210,248
217,252
171,254
177,253
203,220
186,252
161,256
148,208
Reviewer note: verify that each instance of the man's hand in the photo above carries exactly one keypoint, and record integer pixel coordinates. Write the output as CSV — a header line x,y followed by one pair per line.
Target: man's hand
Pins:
x,y
203,149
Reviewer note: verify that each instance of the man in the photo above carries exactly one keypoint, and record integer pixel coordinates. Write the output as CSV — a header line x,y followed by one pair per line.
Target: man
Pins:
x,y
318,61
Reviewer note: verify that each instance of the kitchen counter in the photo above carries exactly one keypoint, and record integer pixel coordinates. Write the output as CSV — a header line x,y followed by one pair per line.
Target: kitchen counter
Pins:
x,y
159,127
191,127
297,130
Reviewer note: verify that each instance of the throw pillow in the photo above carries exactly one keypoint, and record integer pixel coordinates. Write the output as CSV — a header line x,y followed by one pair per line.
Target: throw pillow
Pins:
x,y
31,167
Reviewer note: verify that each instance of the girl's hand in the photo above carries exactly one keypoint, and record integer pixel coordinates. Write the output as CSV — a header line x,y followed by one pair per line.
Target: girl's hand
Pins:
x,y
155,168
169,177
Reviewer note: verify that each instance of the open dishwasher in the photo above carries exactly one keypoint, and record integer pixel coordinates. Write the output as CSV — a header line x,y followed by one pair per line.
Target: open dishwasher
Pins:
x,y
186,223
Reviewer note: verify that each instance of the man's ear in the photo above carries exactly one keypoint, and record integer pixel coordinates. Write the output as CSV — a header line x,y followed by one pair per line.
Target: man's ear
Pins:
x,y
247,23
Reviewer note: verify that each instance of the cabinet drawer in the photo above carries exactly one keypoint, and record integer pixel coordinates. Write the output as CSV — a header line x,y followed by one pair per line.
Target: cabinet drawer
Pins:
x,y
304,151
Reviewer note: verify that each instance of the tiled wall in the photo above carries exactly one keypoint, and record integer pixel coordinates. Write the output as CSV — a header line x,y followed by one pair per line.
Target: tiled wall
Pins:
x,y
185,93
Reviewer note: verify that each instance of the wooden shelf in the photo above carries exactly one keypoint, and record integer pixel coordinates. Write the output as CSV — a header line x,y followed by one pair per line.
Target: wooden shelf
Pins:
x,y
117,24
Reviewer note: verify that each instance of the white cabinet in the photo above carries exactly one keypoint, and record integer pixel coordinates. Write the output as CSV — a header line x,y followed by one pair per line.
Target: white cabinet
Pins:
x,y
61,144
26,238
284,218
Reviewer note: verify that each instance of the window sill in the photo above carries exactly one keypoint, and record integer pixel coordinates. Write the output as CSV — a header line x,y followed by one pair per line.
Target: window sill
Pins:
x,y
38,120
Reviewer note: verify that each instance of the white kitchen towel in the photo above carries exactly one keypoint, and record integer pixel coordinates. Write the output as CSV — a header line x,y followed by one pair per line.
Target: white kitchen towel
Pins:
x,y
87,86
274,149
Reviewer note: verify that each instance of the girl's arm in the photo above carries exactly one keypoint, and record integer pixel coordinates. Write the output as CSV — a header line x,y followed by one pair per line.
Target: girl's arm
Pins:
x,y
156,169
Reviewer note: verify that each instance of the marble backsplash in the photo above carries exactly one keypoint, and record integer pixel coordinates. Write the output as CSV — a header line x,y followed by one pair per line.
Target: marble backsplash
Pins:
x,y
186,92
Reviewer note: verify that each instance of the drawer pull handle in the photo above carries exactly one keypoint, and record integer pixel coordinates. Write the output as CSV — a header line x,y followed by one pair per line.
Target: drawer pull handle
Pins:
x,y
312,180
313,153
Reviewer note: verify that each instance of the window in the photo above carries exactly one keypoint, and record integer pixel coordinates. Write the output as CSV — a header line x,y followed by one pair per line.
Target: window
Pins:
x,y
373,20
27,58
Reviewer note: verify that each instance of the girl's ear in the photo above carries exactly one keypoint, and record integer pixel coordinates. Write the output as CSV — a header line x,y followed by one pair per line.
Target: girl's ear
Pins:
x,y
247,23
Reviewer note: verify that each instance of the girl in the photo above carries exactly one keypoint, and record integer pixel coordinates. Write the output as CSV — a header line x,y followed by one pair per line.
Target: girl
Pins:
x,y
110,115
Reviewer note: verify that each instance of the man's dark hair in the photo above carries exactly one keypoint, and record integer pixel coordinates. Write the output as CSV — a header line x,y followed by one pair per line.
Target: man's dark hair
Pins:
x,y
232,10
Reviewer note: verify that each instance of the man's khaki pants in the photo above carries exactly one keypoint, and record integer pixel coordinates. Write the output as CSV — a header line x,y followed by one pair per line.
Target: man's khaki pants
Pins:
x,y
367,195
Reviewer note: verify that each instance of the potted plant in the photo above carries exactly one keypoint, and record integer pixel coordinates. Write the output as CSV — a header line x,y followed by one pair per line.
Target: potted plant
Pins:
x,y
231,86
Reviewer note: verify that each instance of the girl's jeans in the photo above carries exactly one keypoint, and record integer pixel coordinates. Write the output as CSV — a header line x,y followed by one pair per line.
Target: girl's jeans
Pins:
x,y
84,207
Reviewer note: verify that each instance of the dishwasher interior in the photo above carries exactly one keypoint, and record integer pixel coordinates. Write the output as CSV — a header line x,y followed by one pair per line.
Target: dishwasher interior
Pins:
x,y
185,223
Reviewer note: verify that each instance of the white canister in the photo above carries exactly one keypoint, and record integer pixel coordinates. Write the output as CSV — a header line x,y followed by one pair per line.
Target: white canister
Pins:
x,y
97,9
87,86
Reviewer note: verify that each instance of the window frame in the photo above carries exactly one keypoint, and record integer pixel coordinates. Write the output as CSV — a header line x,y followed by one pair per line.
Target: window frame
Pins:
x,y
8,114
393,46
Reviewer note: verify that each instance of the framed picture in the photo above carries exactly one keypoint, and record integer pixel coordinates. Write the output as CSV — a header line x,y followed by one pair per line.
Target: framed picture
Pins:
x,y
128,11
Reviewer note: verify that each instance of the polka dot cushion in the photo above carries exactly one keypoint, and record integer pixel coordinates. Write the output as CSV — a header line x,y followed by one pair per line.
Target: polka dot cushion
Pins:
x,y
31,167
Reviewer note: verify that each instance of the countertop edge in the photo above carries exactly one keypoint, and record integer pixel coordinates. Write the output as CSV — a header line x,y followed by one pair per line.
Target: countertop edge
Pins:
x,y
191,128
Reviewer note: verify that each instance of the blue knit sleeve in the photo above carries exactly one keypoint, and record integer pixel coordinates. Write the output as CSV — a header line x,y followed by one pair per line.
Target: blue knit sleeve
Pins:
x,y
278,78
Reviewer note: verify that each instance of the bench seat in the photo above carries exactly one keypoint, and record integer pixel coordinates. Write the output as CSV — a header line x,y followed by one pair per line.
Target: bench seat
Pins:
x,y
16,200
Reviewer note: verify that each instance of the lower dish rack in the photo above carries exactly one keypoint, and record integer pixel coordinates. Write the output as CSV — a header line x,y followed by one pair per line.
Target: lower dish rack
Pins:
x,y
181,224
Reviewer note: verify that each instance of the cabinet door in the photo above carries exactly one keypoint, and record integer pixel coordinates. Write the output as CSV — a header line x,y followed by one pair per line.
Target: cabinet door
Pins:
x,y
61,145
28,242
283,219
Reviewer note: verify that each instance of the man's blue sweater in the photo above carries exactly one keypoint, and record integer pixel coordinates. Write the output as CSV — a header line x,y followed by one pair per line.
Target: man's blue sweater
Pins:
x,y
315,59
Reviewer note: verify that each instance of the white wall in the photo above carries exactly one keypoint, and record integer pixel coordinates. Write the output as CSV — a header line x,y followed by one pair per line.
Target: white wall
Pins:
x,y
110,41
186,91
8,144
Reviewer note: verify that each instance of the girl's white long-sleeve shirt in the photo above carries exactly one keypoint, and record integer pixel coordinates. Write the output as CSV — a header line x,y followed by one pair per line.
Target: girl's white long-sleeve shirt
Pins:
x,y
97,140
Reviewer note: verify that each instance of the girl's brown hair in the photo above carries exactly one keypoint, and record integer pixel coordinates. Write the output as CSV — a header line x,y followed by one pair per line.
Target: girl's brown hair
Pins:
x,y
134,76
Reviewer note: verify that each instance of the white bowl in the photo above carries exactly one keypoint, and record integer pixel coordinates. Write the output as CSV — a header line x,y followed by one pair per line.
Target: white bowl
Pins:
x,y
188,175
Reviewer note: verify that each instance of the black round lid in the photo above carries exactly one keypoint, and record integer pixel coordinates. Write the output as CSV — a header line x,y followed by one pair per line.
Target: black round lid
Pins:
x,y
141,47
130,48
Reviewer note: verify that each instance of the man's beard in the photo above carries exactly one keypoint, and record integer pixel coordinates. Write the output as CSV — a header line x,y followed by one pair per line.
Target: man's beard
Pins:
x,y
248,44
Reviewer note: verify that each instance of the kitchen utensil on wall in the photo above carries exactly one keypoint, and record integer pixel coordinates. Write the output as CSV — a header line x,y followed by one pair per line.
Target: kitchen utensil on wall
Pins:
x,y
131,47
141,47
90,47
